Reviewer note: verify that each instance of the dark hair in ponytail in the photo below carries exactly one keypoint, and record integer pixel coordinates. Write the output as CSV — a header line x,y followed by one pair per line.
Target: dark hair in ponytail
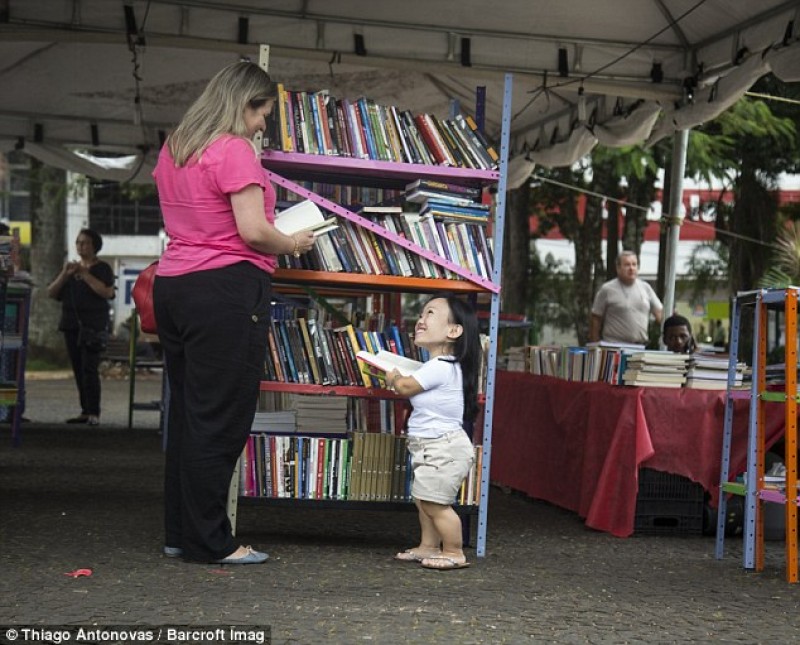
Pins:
x,y
467,351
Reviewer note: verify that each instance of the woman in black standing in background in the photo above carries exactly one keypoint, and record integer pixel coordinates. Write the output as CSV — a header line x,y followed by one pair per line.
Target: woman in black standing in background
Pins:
x,y
84,288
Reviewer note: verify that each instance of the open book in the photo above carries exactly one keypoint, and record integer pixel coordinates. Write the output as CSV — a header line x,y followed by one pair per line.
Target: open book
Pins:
x,y
304,216
385,361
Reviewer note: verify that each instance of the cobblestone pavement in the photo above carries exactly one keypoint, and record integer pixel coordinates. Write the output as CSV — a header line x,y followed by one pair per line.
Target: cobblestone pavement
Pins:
x,y
79,497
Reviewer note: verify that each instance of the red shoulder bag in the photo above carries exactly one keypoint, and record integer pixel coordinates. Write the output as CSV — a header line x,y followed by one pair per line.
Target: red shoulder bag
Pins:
x,y
142,294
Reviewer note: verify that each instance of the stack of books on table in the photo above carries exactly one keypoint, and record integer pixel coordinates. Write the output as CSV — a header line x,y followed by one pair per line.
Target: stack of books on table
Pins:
x,y
711,373
655,369
518,359
603,362
776,373
612,359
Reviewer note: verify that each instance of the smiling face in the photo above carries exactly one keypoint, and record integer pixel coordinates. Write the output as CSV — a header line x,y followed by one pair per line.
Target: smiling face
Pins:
x,y
255,119
433,330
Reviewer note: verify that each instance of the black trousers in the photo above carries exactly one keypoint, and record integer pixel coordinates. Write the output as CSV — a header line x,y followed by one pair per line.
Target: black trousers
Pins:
x,y
213,330
85,365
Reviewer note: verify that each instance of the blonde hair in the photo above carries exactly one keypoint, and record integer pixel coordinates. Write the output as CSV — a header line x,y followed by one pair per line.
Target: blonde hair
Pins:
x,y
220,109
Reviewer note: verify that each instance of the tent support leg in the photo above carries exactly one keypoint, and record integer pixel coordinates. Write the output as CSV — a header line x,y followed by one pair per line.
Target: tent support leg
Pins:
x,y
674,219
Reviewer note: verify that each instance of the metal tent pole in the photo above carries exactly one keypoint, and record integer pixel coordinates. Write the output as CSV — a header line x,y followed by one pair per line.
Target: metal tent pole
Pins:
x,y
674,219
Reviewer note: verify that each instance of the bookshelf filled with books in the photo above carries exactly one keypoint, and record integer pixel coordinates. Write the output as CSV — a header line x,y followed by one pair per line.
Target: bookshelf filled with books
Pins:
x,y
406,225
15,299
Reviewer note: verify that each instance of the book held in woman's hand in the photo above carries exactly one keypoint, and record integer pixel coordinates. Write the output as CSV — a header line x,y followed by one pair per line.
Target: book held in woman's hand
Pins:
x,y
304,216
384,362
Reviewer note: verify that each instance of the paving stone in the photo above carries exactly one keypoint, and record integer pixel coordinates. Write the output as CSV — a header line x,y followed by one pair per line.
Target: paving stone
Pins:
x,y
91,498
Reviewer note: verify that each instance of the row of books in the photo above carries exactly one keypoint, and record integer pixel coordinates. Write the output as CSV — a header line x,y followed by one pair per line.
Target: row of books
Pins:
x,y
625,366
294,467
292,413
566,362
416,193
303,352
351,248
367,466
318,123
342,193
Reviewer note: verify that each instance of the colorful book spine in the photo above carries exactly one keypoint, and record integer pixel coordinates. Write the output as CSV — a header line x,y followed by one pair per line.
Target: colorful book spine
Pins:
x,y
287,145
366,128
436,149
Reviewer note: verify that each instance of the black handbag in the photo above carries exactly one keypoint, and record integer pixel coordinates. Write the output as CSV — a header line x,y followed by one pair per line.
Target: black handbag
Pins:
x,y
93,340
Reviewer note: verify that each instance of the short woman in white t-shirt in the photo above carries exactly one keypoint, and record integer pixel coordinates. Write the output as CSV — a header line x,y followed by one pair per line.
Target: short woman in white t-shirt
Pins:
x,y
443,393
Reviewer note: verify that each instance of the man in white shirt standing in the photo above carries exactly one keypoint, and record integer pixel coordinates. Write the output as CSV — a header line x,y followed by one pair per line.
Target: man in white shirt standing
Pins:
x,y
622,307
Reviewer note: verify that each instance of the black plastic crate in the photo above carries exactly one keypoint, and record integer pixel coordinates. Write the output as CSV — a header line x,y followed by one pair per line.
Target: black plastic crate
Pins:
x,y
668,504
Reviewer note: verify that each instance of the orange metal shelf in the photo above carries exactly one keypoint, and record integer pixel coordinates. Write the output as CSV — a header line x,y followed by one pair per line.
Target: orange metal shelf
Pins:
x,y
321,281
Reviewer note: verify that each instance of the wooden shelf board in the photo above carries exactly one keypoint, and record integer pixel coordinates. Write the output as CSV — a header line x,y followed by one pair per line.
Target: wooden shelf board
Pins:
x,y
337,390
775,496
736,488
328,390
332,169
346,504
321,280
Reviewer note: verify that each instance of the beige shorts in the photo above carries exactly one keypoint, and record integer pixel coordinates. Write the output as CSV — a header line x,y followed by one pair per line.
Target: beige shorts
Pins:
x,y
439,466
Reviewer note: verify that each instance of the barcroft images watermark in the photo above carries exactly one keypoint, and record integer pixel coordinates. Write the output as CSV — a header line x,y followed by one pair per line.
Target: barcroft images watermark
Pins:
x,y
130,634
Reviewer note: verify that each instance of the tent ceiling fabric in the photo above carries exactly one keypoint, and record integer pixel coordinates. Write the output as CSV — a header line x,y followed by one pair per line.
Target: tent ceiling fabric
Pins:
x,y
583,70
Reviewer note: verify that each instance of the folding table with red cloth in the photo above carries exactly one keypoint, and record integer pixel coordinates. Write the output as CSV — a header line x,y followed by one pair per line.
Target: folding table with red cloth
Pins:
x,y
580,445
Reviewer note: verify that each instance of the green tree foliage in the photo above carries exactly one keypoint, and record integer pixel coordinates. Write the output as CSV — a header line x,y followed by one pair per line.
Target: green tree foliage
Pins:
x,y
708,266
557,206
784,270
555,305
748,146
627,174
517,267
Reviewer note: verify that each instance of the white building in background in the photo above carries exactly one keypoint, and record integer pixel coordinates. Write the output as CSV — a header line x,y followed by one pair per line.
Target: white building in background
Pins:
x,y
698,209
699,212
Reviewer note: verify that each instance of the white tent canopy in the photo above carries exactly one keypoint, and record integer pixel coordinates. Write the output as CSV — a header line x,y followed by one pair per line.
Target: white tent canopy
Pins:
x,y
115,76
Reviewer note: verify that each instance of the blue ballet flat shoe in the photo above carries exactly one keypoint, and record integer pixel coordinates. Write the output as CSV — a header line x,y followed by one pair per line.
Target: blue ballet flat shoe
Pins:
x,y
173,551
252,557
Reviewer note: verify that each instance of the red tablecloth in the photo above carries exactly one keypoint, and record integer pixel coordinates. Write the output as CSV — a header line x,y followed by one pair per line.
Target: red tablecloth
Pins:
x,y
580,445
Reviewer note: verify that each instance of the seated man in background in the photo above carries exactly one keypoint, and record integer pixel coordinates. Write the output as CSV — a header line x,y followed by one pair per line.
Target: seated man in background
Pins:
x,y
678,335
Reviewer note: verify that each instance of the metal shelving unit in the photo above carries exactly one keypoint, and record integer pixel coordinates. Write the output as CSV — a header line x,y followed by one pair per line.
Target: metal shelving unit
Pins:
x,y
753,489
281,166
15,305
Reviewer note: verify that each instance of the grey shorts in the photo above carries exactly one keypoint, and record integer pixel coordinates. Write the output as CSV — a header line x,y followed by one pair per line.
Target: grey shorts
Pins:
x,y
439,466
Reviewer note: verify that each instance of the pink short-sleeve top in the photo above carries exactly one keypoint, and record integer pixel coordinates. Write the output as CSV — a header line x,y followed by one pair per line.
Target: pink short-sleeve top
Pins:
x,y
196,207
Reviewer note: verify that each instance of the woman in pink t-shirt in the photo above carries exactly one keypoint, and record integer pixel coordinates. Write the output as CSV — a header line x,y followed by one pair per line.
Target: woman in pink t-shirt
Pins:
x,y
212,303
